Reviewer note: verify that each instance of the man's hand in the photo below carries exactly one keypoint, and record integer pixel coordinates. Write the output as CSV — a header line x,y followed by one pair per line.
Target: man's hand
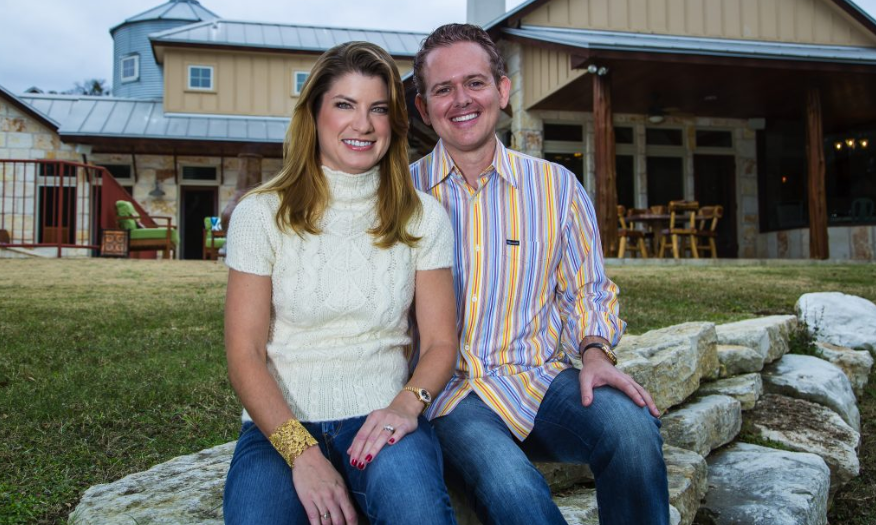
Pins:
x,y
597,371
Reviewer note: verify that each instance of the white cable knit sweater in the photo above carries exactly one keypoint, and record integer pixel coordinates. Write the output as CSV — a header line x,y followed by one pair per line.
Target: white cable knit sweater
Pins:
x,y
339,316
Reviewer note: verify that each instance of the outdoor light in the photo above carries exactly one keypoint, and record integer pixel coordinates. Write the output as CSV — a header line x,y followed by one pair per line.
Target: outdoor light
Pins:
x,y
655,119
850,143
838,146
592,69
157,192
784,179
864,143
602,71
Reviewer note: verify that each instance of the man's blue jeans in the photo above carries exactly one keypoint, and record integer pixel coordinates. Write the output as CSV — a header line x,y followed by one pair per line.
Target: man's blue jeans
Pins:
x,y
404,483
619,440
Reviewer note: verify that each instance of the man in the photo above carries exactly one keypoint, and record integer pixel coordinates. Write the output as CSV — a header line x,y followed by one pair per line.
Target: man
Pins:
x,y
531,293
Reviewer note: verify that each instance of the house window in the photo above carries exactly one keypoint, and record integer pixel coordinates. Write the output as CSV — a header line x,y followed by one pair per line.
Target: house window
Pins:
x,y
298,79
201,78
118,171
708,138
564,132
130,68
199,173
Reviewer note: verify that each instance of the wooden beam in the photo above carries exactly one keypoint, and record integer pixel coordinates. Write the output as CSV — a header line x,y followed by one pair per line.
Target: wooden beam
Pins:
x,y
606,185
818,245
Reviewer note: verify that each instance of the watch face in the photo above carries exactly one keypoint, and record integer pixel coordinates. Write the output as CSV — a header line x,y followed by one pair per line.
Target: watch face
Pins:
x,y
424,395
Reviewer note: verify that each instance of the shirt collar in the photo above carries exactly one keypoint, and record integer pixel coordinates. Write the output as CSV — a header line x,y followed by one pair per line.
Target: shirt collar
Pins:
x,y
443,165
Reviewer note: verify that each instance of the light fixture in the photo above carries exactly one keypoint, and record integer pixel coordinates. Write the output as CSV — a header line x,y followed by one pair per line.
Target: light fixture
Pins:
x,y
784,179
157,192
850,143
864,143
602,71
656,118
838,146
592,69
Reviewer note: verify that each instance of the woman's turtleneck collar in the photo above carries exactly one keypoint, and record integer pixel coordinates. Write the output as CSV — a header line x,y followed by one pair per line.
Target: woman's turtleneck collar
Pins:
x,y
351,188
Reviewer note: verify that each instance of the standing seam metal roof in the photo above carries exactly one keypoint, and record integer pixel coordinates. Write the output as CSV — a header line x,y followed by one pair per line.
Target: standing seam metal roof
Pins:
x,y
185,10
633,42
267,35
145,119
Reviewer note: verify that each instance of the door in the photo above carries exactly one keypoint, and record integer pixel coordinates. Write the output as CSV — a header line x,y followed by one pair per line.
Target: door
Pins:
x,y
197,203
715,183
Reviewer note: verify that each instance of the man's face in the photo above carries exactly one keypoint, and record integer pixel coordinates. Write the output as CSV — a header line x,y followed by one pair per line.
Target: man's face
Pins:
x,y
462,100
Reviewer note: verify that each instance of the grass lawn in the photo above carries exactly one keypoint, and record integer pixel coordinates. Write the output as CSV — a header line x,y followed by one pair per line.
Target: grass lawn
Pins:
x,y
108,367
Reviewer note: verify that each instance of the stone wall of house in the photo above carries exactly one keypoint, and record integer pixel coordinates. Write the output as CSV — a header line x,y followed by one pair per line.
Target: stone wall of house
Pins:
x,y
856,243
23,137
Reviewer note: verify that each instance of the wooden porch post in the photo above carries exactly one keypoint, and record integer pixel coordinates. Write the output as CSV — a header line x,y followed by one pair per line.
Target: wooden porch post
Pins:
x,y
606,185
818,246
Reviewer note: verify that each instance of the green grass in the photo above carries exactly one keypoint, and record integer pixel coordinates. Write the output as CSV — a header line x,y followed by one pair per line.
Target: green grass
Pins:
x,y
108,367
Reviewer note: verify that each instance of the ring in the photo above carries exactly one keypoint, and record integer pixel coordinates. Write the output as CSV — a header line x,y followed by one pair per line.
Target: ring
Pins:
x,y
326,516
389,428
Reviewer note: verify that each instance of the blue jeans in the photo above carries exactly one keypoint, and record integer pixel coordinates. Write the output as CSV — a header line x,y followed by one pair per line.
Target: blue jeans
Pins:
x,y
619,440
404,483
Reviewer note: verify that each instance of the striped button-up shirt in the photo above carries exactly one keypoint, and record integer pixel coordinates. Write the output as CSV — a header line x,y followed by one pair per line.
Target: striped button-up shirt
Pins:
x,y
529,278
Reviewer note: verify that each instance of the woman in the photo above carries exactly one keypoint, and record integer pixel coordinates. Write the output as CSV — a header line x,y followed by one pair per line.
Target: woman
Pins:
x,y
324,263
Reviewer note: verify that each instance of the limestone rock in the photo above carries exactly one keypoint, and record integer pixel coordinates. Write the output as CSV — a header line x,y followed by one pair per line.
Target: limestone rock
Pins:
x,y
855,363
737,360
670,362
688,481
579,508
809,427
187,489
816,380
838,318
746,389
762,486
704,424
767,335
561,476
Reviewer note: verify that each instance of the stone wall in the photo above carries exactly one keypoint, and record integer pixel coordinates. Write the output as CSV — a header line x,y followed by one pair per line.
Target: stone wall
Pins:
x,y
845,242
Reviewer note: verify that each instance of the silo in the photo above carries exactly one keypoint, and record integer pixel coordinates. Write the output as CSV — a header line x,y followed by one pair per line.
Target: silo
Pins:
x,y
131,44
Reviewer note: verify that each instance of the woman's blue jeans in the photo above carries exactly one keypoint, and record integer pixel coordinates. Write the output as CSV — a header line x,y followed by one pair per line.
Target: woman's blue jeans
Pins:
x,y
403,484
619,440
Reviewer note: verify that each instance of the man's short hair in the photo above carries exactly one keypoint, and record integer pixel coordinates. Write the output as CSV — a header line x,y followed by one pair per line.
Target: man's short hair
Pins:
x,y
450,34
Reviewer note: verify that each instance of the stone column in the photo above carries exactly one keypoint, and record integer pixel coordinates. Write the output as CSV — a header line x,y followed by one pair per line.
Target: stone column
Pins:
x,y
527,131
249,176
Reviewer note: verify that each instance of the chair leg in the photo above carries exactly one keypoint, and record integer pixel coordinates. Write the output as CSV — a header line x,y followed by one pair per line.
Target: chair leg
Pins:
x,y
662,247
675,246
713,248
693,247
622,246
642,249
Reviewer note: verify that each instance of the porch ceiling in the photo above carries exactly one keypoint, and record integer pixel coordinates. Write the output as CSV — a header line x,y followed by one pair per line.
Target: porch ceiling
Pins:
x,y
722,87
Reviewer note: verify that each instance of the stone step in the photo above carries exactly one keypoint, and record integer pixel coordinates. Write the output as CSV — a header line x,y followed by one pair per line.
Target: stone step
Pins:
x,y
808,427
756,485
766,335
746,389
703,424
813,379
737,359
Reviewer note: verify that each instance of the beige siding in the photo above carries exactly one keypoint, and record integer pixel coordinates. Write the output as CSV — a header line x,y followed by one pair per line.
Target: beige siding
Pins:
x,y
245,83
544,72
798,21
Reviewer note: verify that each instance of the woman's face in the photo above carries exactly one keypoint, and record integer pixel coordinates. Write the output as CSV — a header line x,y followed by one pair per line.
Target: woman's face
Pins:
x,y
352,125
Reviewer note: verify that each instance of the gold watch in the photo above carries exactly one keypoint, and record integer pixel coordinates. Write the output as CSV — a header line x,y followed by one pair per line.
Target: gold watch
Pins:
x,y
609,353
422,394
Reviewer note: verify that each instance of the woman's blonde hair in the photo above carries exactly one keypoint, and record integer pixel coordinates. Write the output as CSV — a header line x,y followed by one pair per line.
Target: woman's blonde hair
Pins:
x,y
301,184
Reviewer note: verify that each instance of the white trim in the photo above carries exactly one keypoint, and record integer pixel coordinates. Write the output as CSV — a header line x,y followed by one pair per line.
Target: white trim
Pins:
x,y
136,75
200,88
296,90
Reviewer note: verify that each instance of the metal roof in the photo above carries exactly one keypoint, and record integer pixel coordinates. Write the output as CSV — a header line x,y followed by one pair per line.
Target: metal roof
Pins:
x,y
185,10
639,42
267,35
24,105
145,119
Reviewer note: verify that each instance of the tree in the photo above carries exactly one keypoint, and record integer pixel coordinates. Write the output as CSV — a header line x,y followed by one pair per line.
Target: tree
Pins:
x,y
95,87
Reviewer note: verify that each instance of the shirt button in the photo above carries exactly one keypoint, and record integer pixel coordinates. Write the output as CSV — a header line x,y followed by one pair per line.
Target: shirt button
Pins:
x,y
474,298
477,247
467,348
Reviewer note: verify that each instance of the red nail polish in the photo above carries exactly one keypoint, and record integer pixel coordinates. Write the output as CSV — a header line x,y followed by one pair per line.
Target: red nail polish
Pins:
x,y
353,462
368,457
391,441
361,466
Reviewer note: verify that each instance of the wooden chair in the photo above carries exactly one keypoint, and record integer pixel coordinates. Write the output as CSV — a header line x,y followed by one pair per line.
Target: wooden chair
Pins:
x,y
707,224
214,238
142,239
627,233
682,224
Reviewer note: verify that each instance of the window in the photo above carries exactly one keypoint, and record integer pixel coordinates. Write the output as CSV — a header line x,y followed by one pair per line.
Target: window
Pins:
x,y
665,180
130,68
201,78
623,135
708,138
663,137
781,172
199,173
118,171
298,79
850,177
564,132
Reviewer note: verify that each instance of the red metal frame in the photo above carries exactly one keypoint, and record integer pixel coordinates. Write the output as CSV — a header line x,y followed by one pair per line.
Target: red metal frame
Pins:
x,y
91,184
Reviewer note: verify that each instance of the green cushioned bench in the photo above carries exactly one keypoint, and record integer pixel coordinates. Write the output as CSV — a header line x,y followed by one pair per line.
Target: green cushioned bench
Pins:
x,y
162,240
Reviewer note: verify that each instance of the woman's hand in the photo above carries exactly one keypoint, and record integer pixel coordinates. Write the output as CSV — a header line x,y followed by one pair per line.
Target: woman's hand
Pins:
x,y
387,425
322,490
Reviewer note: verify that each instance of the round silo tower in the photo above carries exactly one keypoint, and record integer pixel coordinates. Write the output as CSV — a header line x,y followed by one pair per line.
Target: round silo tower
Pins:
x,y
135,73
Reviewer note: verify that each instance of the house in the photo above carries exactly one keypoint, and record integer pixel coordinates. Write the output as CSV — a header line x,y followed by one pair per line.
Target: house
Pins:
x,y
766,107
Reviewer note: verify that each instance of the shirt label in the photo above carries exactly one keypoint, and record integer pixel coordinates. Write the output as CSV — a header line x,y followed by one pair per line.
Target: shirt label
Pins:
x,y
512,242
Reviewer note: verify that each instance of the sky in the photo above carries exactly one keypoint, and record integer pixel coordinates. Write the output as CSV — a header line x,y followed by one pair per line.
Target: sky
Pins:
x,y
53,44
